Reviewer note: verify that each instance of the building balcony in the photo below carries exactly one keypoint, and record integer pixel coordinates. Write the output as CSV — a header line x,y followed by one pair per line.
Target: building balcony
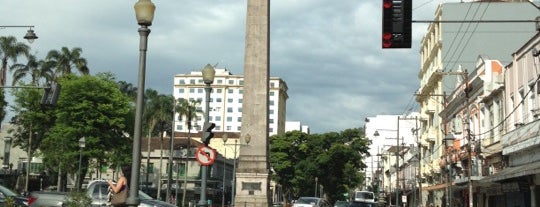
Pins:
x,y
522,138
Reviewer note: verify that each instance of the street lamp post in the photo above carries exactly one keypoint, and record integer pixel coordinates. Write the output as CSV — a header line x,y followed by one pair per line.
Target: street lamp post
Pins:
x,y
316,184
82,144
30,35
225,138
449,143
208,74
144,12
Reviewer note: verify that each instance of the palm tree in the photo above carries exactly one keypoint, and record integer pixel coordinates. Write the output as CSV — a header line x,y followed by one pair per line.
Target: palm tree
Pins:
x,y
188,110
128,89
158,111
64,60
35,68
10,49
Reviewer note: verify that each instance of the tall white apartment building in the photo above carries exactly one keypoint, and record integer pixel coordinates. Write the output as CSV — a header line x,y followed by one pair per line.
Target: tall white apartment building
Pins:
x,y
226,101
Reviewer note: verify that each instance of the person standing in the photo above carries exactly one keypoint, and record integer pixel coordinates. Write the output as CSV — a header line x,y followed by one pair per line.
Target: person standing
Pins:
x,y
122,183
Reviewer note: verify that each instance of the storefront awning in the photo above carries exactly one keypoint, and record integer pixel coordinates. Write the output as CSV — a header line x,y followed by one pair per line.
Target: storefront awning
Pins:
x,y
435,187
513,172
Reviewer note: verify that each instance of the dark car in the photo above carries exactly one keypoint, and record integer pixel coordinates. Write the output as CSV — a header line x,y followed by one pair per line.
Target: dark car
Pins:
x,y
362,204
341,204
6,193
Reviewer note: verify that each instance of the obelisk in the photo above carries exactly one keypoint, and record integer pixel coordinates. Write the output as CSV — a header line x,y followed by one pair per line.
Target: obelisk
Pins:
x,y
253,173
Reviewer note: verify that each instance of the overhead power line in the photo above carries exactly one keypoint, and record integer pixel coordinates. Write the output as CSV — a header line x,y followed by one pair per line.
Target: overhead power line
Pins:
x,y
475,21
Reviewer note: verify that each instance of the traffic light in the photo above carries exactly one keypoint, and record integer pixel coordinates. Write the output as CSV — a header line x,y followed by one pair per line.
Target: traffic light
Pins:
x,y
50,96
396,23
207,132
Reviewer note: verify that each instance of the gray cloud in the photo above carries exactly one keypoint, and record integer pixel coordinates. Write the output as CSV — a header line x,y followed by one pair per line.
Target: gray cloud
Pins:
x,y
327,51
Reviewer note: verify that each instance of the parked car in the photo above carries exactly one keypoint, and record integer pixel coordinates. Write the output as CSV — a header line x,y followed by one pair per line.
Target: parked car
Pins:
x,y
98,191
46,198
341,204
362,204
311,202
6,193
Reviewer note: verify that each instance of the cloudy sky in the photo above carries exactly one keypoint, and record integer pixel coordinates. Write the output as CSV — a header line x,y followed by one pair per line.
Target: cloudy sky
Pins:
x,y
327,51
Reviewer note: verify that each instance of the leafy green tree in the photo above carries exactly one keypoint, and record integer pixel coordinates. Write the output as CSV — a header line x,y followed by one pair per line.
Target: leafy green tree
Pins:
x,y
93,108
332,160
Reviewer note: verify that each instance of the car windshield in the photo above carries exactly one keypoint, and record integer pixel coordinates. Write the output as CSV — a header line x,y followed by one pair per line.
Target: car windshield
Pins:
x,y
304,200
7,191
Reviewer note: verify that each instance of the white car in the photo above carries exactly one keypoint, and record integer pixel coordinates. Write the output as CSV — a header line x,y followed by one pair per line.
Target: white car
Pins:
x,y
311,202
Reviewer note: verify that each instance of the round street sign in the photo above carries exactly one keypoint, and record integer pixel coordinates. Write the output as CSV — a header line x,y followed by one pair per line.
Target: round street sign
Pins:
x,y
205,155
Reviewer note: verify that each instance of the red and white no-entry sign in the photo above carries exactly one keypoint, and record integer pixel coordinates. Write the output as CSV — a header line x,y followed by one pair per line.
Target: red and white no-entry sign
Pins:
x,y
205,155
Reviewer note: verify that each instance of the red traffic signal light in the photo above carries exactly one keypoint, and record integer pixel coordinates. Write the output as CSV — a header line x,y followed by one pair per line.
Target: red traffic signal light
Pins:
x,y
396,23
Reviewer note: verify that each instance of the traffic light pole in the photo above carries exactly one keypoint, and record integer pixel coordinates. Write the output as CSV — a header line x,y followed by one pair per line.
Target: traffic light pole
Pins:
x,y
202,201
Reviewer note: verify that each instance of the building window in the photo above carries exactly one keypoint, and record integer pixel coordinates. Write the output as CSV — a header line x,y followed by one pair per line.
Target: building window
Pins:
x,y
491,122
229,119
271,111
219,81
271,103
181,90
200,81
179,127
231,82
180,169
182,81
192,81
500,112
239,109
239,128
239,119
229,128
272,85
271,93
241,91
218,128
199,90
230,91
241,82
103,169
150,167
219,90
230,100
191,90
218,100
218,118
271,121
229,109
240,100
